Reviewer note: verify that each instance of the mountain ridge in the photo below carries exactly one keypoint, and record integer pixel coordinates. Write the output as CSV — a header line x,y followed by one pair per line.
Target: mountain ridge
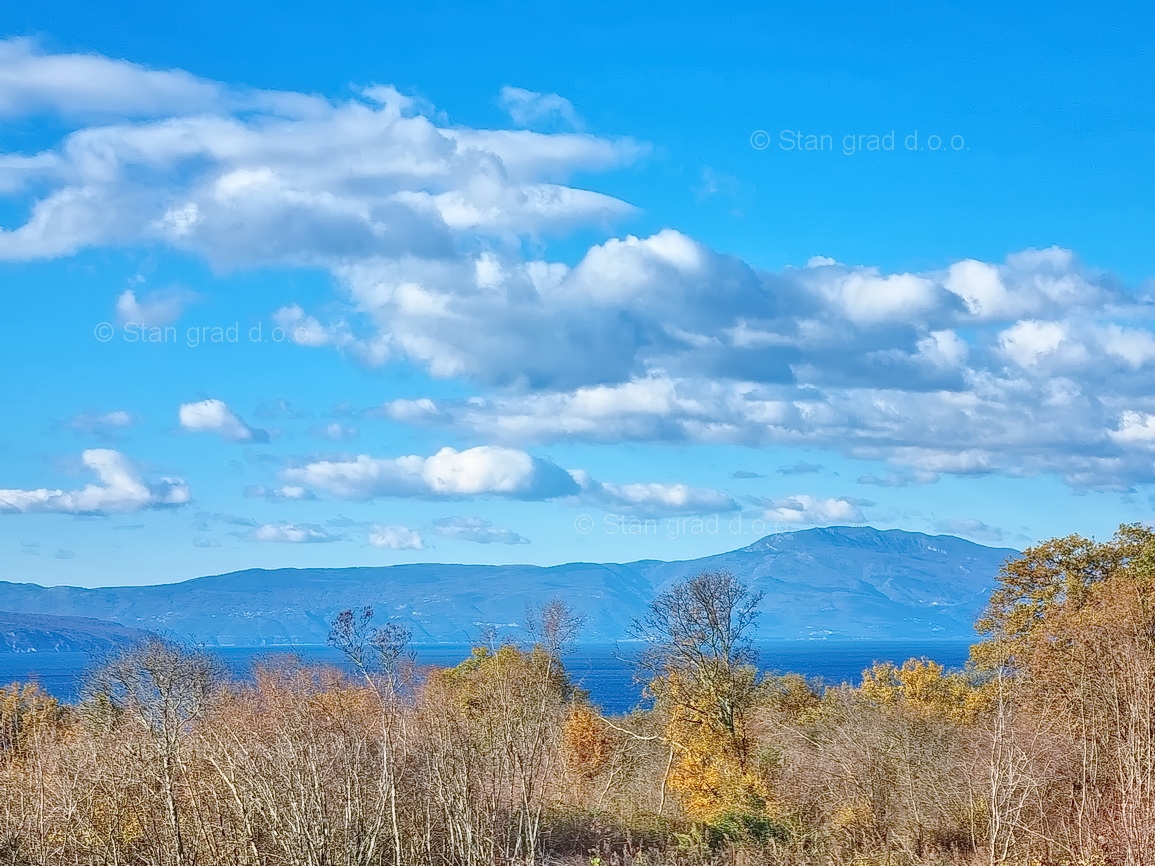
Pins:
x,y
37,633
846,582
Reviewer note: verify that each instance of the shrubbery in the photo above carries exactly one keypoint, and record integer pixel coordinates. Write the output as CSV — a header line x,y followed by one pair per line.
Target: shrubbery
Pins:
x,y
1043,751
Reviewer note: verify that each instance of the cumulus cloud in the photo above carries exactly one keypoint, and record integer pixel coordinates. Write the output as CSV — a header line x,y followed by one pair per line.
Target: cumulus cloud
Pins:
x,y
305,330
120,488
291,533
1135,429
420,411
215,416
812,510
480,471
395,538
1036,363
489,471
477,530
1030,344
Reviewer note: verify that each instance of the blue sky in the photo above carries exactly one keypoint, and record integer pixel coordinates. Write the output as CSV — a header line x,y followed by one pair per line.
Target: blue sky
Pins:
x,y
297,285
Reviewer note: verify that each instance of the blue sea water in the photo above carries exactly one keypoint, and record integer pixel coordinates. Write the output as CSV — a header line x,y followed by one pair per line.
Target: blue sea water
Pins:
x,y
606,672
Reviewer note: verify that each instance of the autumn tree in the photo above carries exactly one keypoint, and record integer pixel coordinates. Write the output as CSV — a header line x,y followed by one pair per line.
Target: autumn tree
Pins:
x,y
1071,630
701,670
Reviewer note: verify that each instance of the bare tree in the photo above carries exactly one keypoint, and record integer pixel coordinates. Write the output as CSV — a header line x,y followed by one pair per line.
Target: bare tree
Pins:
x,y
377,653
165,688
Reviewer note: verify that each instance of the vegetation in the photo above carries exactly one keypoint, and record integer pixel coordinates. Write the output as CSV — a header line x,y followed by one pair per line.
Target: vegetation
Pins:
x,y
1041,752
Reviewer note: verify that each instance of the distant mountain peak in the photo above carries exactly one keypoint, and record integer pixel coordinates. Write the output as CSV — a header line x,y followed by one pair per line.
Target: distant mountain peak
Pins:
x,y
864,538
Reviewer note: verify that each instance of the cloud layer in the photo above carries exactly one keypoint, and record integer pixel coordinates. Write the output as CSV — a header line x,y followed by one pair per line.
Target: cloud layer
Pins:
x,y
434,235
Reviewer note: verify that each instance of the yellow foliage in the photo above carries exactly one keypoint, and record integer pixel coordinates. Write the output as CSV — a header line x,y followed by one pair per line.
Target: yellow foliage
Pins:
x,y
923,687
588,744
711,770
712,781
505,674
25,711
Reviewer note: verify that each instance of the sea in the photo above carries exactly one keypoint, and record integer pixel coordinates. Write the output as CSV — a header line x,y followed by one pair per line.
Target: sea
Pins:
x,y
607,672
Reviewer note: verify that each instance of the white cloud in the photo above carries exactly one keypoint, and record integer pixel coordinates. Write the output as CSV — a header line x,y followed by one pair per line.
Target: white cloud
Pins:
x,y
1133,345
477,530
306,330
527,107
943,348
214,416
88,84
121,488
481,471
1027,364
291,533
334,431
654,499
1031,343
492,471
395,538
1135,428
1030,283
812,510
420,411
1007,421
154,309
870,298
259,177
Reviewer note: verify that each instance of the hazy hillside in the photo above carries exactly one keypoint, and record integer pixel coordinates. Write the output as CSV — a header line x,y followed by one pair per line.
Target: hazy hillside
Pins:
x,y
851,582
28,632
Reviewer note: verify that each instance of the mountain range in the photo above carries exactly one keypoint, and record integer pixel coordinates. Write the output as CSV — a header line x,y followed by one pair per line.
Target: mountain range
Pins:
x,y
836,582
39,633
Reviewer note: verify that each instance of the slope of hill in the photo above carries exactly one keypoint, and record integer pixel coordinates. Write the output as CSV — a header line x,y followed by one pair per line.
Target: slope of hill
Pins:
x,y
846,582
35,632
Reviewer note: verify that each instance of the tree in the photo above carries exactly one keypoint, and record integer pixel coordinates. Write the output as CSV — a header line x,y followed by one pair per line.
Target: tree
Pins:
x,y
376,652
699,636
1071,627
164,688
1056,575
700,667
